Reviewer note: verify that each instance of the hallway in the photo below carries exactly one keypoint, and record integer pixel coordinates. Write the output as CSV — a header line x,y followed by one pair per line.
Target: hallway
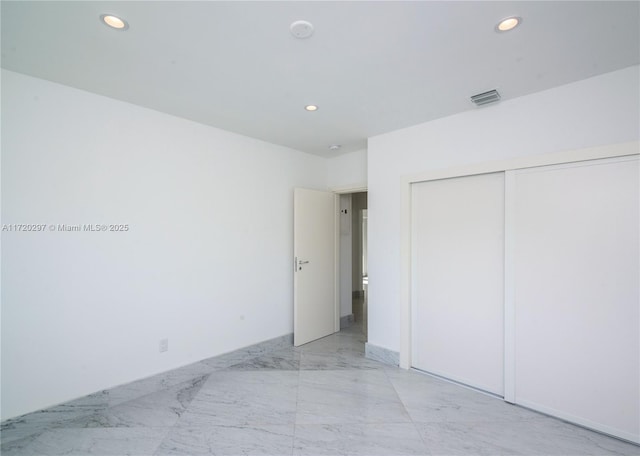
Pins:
x,y
324,398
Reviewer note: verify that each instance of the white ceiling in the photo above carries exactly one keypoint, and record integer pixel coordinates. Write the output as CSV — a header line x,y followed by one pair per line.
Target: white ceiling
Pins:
x,y
371,67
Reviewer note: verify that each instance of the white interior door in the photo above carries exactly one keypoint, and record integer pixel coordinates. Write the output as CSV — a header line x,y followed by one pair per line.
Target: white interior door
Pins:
x,y
458,279
314,313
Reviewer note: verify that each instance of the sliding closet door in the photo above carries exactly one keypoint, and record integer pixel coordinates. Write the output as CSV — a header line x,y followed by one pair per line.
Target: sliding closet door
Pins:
x,y
457,284
576,293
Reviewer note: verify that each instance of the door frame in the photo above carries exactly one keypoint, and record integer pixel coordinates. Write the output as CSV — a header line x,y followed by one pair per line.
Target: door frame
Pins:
x,y
337,191
555,158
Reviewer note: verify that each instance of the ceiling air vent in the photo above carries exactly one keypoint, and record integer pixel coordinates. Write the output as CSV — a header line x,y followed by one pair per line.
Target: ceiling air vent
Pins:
x,y
485,98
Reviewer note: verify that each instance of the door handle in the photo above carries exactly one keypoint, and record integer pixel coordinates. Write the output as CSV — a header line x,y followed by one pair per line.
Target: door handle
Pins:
x,y
298,264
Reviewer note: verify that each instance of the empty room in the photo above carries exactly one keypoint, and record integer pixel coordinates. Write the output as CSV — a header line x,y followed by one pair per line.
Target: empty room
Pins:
x,y
320,228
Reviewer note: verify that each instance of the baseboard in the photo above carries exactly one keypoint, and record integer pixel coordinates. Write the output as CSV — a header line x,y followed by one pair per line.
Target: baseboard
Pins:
x,y
346,321
381,354
24,426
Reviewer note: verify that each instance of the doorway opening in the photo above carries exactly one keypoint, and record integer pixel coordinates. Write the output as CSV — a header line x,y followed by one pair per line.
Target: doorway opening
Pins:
x,y
354,277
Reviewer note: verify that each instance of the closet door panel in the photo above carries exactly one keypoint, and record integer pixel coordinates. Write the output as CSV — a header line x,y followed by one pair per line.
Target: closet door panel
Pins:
x,y
458,279
576,293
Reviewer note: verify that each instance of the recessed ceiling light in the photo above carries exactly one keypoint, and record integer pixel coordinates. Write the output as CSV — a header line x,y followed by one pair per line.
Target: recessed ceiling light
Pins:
x,y
311,108
114,22
508,24
334,146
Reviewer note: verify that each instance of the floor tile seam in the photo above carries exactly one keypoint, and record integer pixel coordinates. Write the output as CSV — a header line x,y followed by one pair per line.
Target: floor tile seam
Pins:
x,y
162,440
201,427
193,380
346,371
53,423
244,361
404,406
295,417
241,359
352,423
250,378
375,392
176,371
262,369
27,440
510,419
352,400
236,424
342,369
362,369
270,370
166,430
116,425
476,421
357,369
49,415
97,428
426,446
332,370
266,353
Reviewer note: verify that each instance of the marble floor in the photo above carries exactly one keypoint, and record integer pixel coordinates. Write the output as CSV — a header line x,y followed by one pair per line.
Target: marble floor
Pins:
x,y
324,398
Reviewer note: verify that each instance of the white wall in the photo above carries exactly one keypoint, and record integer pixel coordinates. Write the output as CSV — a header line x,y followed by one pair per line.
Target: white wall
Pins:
x,y
596,111
206,262
348,171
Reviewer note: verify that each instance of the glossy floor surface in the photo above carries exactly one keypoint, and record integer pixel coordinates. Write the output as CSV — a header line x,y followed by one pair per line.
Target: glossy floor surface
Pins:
x,y
324,398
